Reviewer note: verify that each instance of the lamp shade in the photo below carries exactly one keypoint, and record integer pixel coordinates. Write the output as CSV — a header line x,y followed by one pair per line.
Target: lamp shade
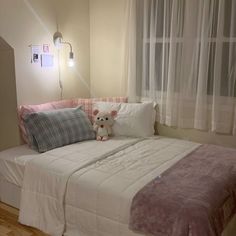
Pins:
x,y
57,39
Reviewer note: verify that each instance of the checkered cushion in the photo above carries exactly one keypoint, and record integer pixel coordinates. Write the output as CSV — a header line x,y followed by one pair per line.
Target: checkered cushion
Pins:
x,y
50,129
87,104
27,109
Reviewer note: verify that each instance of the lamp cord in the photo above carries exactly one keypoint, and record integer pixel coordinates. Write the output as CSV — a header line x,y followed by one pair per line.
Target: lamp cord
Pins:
x,y
59,75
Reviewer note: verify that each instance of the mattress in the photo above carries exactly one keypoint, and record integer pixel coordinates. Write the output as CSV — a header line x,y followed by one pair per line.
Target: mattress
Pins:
x,y
96,208
13,161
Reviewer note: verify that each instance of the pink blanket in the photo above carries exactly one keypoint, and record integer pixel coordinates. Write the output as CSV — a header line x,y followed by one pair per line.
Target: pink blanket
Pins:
x,y
195,197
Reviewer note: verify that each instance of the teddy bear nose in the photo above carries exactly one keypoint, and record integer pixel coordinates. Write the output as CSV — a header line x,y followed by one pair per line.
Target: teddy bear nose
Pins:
x,y
102,119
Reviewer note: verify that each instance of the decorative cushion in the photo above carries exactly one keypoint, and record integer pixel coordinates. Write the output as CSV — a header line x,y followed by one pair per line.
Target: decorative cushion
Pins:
x,y
50,129
133,119
86,103
27,109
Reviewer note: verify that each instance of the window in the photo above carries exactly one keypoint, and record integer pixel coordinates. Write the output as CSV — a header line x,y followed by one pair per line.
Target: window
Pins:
x,y
173,34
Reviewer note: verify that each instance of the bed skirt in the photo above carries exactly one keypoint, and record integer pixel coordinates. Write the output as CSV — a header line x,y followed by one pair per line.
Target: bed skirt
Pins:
x,y
10,193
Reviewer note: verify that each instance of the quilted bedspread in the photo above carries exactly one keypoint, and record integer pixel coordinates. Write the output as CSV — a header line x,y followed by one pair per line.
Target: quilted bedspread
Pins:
x,y
86,189
46,177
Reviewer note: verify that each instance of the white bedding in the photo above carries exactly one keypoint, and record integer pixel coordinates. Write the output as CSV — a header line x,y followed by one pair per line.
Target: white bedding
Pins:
x,y
45,181
98,181
13,161
98,195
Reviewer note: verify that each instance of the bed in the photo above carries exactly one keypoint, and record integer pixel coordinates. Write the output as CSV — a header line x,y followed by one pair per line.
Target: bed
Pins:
x,y
80,186
99,180
12,164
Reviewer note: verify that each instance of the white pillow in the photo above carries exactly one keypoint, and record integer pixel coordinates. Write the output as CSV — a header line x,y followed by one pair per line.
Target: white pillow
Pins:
x,y
133,119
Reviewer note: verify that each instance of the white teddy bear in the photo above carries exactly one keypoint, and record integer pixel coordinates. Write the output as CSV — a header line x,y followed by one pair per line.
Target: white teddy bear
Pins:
x,y
103,124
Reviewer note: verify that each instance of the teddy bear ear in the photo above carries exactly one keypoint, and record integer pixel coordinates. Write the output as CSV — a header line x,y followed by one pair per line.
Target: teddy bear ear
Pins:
x,y
95,112
113,113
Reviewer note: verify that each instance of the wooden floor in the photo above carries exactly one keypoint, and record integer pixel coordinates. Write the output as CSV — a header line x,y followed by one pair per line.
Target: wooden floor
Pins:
x,y
9,225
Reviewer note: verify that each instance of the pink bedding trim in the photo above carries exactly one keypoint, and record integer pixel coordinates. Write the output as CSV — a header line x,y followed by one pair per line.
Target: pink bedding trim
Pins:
x,y
195,197
27,109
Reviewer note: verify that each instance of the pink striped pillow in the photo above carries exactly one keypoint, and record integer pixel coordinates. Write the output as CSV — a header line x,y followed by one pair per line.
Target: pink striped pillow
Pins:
x,y
27,109
87,106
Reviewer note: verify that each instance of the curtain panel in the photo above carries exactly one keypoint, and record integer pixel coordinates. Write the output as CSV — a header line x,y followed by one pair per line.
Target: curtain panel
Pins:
x,y
182,54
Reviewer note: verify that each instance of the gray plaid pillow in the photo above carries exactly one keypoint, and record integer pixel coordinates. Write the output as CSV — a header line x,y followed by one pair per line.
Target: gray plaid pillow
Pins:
x,y
51,129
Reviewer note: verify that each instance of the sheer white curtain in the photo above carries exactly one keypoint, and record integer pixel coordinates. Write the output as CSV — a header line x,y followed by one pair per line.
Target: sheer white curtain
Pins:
x,y
182,54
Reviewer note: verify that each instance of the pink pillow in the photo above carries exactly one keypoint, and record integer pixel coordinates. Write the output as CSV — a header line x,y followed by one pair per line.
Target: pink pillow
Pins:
x,y
87,103
87,106
27,109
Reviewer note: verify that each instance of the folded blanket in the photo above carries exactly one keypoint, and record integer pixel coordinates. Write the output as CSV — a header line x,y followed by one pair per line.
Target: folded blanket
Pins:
x,y
195,197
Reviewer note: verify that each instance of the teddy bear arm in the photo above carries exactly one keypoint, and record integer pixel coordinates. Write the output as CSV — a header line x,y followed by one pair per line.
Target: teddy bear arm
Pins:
x,y
109,130
95,127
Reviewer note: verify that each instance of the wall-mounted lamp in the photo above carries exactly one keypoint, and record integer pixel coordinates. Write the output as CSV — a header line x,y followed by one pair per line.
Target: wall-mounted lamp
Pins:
x,y
58,41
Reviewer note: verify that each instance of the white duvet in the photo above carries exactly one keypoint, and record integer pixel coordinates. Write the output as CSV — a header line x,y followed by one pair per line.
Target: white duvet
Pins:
x,y
86,189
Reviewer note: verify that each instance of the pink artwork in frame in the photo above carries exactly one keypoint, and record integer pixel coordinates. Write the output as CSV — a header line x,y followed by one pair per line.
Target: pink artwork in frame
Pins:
x,y
46,48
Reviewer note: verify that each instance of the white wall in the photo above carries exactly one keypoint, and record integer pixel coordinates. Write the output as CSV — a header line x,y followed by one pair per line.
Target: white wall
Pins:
x,y
106,35
20,28
25,22
74,23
